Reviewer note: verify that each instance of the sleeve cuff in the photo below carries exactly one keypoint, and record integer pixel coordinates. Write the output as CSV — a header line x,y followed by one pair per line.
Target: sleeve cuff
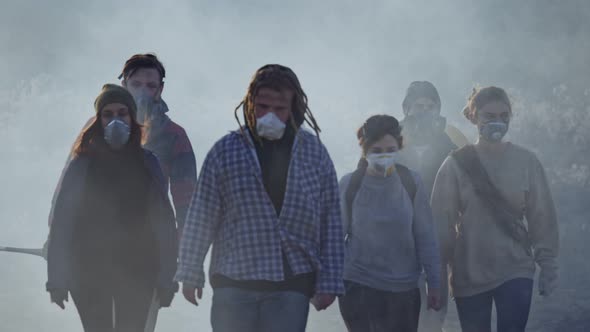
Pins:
x,y
434,278
329,284
191,276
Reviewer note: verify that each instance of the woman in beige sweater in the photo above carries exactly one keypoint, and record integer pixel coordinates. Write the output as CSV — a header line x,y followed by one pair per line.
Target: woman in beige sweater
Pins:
x,y
496,221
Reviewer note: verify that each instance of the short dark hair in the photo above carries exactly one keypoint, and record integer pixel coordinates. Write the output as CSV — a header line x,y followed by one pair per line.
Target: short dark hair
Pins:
x,y
138,61
375,128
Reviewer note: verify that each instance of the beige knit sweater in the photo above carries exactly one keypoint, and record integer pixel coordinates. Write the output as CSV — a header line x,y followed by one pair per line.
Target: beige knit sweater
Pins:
x,y
479,254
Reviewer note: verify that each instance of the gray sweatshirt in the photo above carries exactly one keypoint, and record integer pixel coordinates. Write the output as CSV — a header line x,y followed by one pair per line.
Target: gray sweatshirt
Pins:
x,y
391,240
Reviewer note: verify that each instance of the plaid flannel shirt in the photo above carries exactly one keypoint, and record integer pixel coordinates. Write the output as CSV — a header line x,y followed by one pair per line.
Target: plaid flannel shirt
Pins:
x,y
232,210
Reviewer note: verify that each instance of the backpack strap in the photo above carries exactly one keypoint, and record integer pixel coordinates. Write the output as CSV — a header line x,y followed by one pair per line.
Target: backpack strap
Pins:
x,y
356,180
407,181
354,185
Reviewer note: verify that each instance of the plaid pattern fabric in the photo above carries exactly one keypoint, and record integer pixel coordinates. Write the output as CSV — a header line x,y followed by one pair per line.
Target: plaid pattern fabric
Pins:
x,y
231,210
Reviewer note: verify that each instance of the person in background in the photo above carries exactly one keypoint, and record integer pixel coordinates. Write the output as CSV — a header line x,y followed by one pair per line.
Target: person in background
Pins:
x,y
425,132
143,75
267,199
496,221
112,239
390,236
427,144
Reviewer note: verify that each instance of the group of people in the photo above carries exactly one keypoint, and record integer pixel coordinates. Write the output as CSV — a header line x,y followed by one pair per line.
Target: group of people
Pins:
x,y
424,216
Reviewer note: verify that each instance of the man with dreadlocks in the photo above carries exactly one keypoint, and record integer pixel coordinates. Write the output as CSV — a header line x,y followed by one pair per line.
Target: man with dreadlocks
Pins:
x,y
267,199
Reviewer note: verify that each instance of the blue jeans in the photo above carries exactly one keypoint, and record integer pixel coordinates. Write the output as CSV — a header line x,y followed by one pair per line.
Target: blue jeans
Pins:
x,y
240,310
513,304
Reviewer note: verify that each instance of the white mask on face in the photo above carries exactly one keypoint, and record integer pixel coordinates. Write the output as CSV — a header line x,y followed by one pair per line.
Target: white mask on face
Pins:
x,y
382,162
270,127
117,133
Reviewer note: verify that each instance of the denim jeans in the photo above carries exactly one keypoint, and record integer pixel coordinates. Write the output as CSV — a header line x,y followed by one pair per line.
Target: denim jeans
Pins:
x,y
513,304
241,310
365,309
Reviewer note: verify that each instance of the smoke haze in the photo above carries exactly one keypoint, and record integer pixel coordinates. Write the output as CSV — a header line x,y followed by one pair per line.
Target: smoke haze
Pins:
x,y
353,58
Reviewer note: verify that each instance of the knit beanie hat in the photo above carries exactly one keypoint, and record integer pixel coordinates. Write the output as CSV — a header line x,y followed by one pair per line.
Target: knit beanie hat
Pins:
x,y
112,93
420,89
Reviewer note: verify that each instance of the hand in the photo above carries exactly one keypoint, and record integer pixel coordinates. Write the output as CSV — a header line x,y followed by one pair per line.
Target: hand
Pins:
x,y
58,296
189,293
165,296
322,301
547,281
434,300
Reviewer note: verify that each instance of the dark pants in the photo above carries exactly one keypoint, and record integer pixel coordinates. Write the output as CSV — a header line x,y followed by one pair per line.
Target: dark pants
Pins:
x,y
366,309
513,304
129,301
240,310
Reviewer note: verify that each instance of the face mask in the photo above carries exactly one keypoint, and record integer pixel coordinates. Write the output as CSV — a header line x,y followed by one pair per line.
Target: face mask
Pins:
x,y
117,133
382,162
270,127
493,131
145,105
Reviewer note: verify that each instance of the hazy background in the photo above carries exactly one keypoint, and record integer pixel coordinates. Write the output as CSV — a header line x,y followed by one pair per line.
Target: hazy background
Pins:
x,y
354,59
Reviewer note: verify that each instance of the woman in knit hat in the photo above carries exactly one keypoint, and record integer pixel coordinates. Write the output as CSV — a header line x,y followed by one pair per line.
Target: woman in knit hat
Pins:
x,y
112,240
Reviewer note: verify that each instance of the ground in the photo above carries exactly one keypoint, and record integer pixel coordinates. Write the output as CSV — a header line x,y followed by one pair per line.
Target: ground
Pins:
x,y
25,307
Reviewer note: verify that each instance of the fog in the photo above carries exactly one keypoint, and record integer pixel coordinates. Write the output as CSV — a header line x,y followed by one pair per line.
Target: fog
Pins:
x,y
353,58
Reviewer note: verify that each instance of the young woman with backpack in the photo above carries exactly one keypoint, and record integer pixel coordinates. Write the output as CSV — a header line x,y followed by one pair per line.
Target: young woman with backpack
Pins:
x,y
390,236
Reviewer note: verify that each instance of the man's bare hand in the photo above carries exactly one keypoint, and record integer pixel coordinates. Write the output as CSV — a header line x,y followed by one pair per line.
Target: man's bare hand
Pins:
x,y
189,294
322,301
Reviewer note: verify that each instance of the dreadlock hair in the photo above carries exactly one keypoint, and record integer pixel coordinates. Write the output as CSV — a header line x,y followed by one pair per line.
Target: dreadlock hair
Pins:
x,y
276,77
138,61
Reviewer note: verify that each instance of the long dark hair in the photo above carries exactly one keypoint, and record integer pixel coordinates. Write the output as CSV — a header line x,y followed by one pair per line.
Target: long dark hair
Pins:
x,y
92,137
276,77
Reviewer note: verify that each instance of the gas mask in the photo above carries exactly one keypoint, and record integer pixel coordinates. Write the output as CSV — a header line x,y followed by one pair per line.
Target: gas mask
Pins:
x,y
493,131
424,124
383,163
117,133
270,127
